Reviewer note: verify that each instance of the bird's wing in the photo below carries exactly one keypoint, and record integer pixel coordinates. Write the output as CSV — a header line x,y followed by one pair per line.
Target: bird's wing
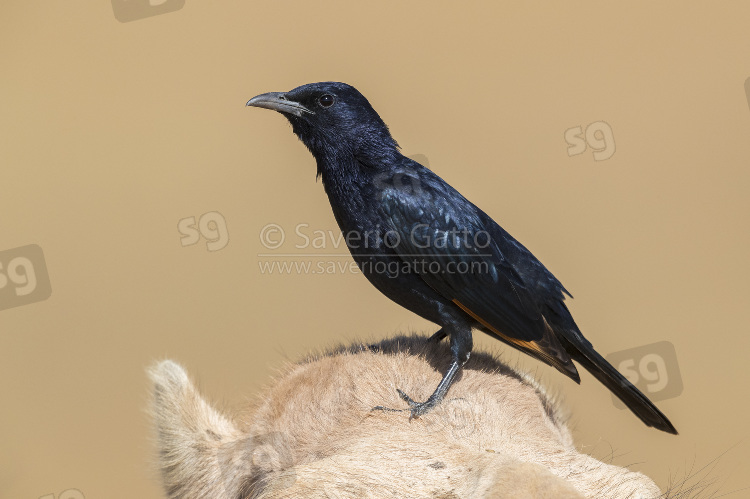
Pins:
x,y
449,247
446,241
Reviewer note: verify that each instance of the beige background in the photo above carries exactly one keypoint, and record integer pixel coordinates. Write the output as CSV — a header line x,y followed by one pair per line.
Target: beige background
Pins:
x,y
113,132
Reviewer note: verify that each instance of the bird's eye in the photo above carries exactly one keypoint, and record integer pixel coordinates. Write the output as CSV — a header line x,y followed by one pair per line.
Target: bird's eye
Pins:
x,y
326,100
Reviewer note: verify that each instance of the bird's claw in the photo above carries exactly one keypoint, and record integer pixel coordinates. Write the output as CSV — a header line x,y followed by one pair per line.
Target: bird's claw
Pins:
x,y
415,409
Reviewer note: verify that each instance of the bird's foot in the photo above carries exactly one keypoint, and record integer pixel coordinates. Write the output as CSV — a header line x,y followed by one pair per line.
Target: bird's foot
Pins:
x,y
416,409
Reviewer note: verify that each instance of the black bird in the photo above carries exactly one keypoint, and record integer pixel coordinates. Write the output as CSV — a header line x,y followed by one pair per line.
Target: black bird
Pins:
x,y
429,249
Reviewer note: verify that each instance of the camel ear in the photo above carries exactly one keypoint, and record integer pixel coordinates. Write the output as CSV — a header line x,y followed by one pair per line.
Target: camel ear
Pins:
x,y
530,480
192,437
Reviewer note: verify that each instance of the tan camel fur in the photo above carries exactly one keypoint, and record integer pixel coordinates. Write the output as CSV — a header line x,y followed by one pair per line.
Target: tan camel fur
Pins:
x,y
313,434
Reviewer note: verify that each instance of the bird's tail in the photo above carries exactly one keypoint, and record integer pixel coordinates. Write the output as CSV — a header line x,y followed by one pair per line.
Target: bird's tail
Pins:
x,y
583,352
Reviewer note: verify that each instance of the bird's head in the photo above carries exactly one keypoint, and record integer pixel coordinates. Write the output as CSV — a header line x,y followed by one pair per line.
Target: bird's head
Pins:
x,y
333,120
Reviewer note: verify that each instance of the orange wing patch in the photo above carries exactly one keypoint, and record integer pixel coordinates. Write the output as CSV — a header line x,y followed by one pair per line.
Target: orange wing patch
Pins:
x,y
521,344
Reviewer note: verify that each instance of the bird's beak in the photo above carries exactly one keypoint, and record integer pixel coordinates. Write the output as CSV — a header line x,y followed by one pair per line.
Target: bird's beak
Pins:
x,y
278,102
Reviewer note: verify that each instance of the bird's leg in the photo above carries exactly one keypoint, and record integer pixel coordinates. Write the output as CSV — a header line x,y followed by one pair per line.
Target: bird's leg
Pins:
x,y
461,344
437,337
